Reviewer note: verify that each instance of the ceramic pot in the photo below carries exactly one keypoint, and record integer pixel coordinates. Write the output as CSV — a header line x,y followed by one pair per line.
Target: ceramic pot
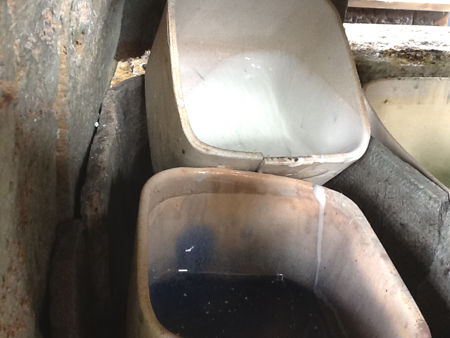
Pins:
x,y
231,222
411,116
255,85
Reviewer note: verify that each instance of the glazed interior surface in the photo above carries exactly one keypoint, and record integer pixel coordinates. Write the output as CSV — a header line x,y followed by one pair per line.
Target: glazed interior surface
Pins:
x,y
319,248
416,112
256,80
227,233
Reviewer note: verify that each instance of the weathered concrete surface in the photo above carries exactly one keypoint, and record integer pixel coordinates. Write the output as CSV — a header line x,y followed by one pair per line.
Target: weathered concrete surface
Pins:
x,y
410,215
379,16
386,51
395,16
56,61
431,18
118,167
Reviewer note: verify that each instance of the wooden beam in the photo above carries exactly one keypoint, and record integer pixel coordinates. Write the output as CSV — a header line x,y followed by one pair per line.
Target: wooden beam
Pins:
x,y
415,5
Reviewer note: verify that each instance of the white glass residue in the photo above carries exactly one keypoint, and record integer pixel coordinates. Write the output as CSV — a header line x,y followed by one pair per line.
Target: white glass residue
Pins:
x,y
321,198
270,102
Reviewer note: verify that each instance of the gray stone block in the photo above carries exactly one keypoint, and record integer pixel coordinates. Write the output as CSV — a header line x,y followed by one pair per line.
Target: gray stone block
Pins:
x,y
56,62
409,213
118,167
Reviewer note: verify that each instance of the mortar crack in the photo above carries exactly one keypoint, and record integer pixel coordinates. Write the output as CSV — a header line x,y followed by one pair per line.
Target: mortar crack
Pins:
x,y
82,177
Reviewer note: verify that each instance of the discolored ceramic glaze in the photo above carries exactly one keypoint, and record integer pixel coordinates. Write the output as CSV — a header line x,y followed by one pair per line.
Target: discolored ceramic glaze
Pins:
x,y
229,222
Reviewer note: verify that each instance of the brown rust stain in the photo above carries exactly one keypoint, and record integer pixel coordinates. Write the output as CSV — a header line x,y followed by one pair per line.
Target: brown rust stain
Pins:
x,y
414,55
62,112
8,94
78,45
11,291
11,5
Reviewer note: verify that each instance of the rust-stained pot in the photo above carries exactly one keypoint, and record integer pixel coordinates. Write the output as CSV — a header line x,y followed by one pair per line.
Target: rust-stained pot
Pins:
x,y
411,116
260,224
255,85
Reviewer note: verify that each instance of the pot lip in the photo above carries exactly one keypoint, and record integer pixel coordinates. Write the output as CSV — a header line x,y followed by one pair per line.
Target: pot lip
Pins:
x,y
153,194
205,148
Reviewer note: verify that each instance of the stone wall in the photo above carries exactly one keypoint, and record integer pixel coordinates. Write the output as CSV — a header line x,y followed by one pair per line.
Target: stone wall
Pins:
x,y
56,62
